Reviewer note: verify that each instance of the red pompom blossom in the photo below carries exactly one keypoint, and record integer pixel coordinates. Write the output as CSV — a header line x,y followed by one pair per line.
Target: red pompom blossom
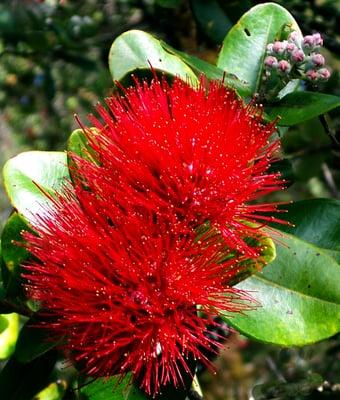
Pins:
x,y
123,290
198,153
119,270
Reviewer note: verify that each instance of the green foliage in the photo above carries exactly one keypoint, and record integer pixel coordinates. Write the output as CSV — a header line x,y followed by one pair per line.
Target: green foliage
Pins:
x,y
244,47
298,107
298,292
135,51
114,388
9,330
31,177
13,255
296,307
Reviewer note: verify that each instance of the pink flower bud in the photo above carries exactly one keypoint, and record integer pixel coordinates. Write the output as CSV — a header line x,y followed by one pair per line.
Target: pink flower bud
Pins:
x,y
318,41
318,60
291,47
270,62
294,37
308,41
312,75
279,47
270,48
324,74
298,55
284,66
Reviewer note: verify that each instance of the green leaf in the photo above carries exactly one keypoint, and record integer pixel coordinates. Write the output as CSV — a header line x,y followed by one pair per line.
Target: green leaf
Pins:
x,y
22,381
33,342
210,71
212,19
298,107
251,266
136,50
244,48
24,172
8,335
78,144
117,388
299,297
13,255
114,388
317,221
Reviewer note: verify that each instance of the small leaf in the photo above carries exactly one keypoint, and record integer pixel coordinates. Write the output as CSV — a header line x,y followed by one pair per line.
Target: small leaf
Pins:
x,y
244,48
298,107
8,335
136,51
12,254
298,294
78,144
24,172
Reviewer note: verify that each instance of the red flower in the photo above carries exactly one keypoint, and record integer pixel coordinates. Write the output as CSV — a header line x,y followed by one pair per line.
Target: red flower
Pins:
x,y
198,153
123,289
119,269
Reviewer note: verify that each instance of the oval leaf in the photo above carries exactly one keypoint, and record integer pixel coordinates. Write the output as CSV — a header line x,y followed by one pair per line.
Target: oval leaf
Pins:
x,y
244,48
298,294
136,50
29,174
298,107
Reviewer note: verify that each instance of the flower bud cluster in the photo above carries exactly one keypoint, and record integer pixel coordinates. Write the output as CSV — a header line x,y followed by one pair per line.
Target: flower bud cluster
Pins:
x,y
297,55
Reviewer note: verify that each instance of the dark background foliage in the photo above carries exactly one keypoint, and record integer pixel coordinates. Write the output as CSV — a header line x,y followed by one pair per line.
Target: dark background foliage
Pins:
x,y
53,63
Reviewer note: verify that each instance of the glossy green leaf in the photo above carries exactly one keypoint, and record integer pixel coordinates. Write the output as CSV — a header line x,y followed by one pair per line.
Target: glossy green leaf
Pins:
x,y
135,51
78,144
317,221
298,107
27,175
9,335
244,48
251,266
298,294
211,18
13,255
113,388
210,71
33,342
22,381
